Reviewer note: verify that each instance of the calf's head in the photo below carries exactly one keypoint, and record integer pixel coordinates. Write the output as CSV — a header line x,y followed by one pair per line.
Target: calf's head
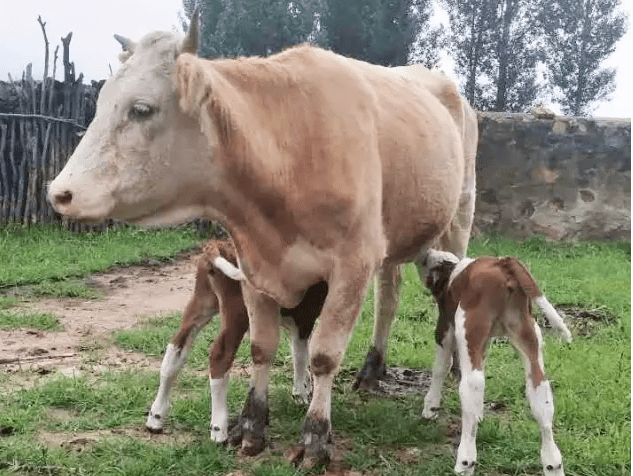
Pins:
x,y
438,266
142,159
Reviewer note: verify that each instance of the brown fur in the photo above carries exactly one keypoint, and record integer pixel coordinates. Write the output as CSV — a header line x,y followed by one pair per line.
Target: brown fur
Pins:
x,y
495,294
224,295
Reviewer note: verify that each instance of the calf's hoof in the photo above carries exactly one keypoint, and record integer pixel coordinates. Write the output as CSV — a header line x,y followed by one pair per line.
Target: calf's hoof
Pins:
x,y
429,413
465,466
154,423
218,434
373,370
553,470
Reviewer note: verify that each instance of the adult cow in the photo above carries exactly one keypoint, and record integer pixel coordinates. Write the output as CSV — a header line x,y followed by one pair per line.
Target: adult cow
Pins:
x,y
321,167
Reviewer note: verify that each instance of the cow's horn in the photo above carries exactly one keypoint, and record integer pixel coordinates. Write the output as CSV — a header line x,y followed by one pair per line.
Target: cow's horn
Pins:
x,y
190,45
229,269
126,43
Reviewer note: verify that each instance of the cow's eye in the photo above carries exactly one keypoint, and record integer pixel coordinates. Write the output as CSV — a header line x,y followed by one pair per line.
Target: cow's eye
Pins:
x,y
141,111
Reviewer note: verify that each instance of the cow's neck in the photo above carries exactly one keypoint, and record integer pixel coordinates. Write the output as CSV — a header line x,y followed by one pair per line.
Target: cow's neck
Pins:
x,y
262,238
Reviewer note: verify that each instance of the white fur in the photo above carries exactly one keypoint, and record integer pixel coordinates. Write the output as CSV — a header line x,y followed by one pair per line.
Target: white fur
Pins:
x,y
553,317
443,362
229,269
302,382
219,409
173,361
471,393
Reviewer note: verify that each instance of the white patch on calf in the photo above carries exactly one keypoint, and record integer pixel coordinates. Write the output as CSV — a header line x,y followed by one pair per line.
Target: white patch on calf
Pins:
x,y
443,362
302,383
173,361
219,409
471,394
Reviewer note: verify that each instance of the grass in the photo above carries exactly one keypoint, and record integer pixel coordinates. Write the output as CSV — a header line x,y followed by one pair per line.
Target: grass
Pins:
x,y
51,258
12,319
591,379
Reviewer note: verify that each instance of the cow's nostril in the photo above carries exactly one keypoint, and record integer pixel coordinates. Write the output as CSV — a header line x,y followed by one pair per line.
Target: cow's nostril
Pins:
x,y
63,198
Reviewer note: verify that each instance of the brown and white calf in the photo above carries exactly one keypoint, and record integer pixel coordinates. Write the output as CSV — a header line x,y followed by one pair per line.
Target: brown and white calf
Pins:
x,y
218,289
479,299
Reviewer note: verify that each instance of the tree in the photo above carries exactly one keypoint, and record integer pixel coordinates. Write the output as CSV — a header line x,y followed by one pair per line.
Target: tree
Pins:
x,y
251,27
495,49
580,34
378,31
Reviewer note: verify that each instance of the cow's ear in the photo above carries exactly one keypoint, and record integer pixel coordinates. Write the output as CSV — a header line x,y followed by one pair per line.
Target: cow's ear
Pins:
x,y
128,47
192,40
195,85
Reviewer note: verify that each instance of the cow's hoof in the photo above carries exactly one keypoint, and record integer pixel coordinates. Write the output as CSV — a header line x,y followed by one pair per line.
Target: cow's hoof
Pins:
x,y
236,430
316,446
373,370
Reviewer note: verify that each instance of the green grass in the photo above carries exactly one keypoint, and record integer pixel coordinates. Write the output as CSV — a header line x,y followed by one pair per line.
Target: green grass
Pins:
x,y
13,319
45,255
591,379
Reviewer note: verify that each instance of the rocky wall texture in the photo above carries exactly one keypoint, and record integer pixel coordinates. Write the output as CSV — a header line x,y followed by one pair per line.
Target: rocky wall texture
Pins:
x,y
568,178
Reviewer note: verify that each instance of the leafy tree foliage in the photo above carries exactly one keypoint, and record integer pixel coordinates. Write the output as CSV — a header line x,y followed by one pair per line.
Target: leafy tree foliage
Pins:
x,y
493,44
379,31
252,27
580,34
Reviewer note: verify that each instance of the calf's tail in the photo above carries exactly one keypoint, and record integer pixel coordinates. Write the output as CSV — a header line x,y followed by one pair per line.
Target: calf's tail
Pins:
x,y
527,283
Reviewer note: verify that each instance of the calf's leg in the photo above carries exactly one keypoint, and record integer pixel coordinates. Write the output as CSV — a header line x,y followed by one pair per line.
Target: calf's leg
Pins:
x,y
539,393
444,357
194,319
221,355
302,382
386,302
471,341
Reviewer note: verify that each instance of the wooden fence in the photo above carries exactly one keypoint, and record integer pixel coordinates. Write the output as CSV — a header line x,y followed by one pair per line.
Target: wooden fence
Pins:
x,y
40,126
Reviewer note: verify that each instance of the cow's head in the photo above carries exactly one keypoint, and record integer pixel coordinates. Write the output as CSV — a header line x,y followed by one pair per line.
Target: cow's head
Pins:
x,y
142,159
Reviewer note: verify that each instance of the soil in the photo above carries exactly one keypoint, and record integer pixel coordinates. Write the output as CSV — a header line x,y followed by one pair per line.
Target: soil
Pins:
x,y
129,294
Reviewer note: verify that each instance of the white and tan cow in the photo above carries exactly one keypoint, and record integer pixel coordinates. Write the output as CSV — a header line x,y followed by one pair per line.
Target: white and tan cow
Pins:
x,y
480,299
218,290
321,167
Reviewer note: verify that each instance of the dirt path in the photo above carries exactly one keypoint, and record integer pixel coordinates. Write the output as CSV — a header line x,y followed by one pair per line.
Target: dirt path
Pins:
x,y
130,294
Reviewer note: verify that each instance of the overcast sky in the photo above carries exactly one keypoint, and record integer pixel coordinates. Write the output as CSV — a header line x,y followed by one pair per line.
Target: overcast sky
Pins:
x,y
93,49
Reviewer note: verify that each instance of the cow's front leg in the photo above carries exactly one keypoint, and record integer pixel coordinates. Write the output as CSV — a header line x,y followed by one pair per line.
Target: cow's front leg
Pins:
x,y
327,348
251,427
386,301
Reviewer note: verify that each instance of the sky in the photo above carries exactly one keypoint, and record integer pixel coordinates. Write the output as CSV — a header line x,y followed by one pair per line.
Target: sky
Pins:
x,y
94,50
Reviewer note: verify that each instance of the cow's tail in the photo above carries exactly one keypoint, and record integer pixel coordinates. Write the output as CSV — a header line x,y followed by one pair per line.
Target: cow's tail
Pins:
x,y
529,286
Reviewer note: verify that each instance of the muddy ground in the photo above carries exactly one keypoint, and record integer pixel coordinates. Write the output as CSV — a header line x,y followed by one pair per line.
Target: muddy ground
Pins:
x,y
129,294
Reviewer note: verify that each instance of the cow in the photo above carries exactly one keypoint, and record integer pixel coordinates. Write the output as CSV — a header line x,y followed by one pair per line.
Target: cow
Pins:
x,y
320,167
217,290
479,299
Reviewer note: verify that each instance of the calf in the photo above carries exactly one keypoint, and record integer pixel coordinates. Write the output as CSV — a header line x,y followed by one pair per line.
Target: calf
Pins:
x,y
479,299
218,289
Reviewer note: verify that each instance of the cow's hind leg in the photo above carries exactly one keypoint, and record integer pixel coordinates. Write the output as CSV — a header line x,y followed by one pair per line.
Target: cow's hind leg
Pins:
x,y
539,393
386,301
327,347
175,357
251,427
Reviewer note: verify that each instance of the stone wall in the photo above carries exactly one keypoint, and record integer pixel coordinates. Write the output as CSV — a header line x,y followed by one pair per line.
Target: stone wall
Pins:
x,y
567,178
